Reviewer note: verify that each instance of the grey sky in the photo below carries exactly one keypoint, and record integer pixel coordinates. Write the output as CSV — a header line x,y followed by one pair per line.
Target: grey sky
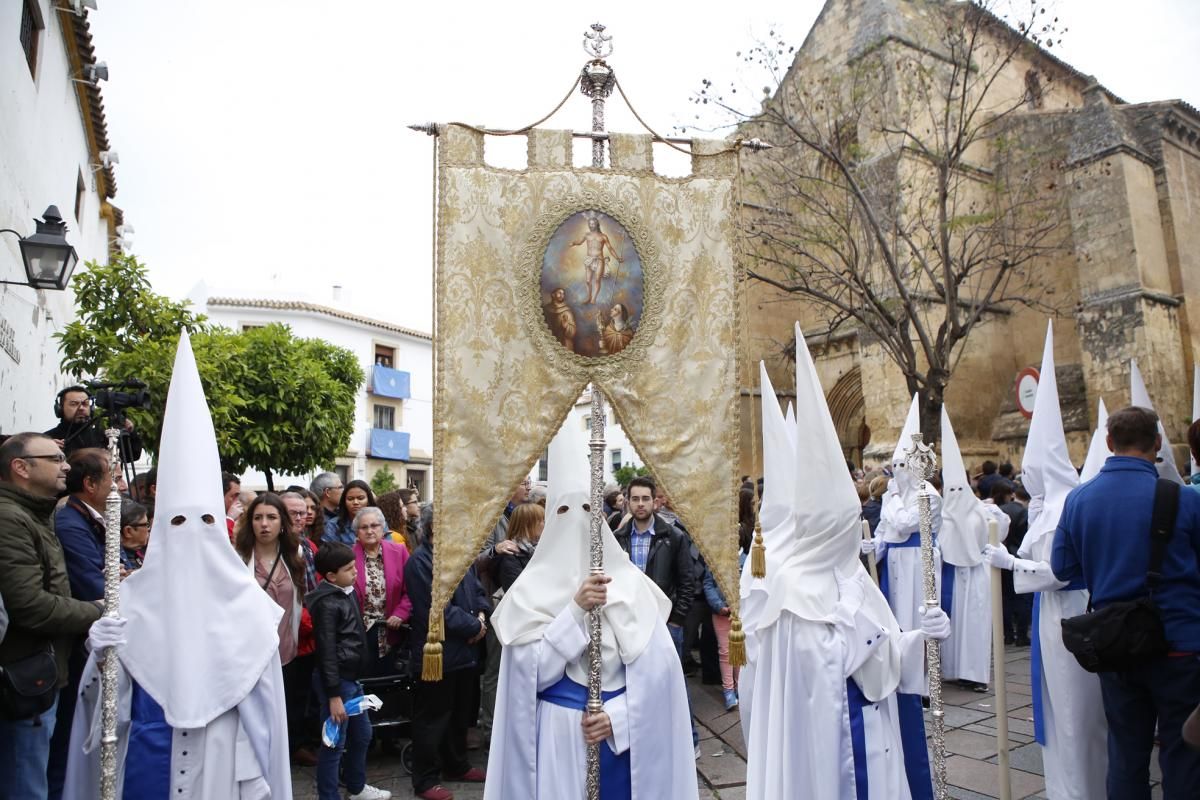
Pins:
x,y
263,143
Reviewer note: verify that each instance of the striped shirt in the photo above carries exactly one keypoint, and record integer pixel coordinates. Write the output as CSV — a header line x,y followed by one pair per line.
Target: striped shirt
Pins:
x,y
639,544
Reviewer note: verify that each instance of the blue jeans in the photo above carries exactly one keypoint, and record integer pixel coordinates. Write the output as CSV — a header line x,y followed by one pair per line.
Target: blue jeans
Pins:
x,y
677,637
1164,691
24,751
354,743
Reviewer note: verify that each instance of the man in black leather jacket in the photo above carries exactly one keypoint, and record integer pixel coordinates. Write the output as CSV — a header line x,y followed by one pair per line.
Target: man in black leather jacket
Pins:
x,y
669,561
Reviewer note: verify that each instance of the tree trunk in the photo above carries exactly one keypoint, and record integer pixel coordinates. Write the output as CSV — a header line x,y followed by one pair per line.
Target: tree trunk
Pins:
x,y
270,480
932,399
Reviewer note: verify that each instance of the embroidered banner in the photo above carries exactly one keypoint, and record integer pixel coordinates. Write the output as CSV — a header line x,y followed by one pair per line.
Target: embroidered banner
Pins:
x,y
553,277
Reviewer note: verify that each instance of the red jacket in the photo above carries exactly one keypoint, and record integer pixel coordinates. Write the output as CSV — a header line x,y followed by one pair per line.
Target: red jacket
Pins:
x,y
396,603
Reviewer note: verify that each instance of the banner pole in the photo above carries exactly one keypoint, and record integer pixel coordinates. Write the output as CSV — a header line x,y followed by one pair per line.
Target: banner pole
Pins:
x,y
596,81
998,677
866,532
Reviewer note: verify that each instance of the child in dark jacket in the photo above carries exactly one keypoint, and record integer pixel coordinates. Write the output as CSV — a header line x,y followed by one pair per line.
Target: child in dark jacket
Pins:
x,y
341,645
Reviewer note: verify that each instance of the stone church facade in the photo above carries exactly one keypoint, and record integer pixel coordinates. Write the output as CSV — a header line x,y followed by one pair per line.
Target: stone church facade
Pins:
x,y
1126,282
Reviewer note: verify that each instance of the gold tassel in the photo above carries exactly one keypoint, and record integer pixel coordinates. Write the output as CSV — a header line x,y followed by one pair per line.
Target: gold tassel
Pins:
x,y
758,554
431,660
737,642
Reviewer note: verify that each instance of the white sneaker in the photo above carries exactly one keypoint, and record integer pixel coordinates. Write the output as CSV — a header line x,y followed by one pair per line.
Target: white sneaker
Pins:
x,y
369,792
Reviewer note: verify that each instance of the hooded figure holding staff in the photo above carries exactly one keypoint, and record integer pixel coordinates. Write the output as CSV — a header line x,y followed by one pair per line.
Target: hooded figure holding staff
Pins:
x,y
200,708
540,734
830,698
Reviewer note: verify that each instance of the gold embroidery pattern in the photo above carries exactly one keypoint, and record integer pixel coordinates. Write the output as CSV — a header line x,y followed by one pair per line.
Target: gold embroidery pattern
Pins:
x,y
504,385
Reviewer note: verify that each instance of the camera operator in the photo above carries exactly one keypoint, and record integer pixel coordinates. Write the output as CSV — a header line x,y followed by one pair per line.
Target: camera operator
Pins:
x,y
77,428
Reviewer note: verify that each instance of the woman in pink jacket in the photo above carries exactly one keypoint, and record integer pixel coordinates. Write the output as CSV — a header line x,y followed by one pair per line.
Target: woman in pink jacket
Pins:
x,y
380,587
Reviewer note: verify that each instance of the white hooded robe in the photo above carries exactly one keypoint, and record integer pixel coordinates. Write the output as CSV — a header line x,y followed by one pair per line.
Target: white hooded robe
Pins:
x,y
818,699
538,751
200,701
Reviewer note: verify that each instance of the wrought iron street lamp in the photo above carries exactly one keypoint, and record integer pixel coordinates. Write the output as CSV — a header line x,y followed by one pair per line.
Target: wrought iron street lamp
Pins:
x,y
49,258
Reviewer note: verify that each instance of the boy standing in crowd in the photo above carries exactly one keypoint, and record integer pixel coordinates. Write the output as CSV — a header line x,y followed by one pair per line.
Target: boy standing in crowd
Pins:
x,y
341,646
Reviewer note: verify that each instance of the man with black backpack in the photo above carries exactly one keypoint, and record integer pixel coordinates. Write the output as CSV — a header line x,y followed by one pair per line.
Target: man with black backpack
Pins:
x,y
1105,536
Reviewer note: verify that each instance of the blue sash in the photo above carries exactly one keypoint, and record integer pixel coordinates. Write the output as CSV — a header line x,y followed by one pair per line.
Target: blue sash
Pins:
x,y
1035,663
912,740
149,749
914,540
616,783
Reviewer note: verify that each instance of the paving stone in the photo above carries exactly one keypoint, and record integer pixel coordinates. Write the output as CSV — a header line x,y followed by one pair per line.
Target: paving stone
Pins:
x,y
719,765
956,716
732,793
972,745
980,776
1027,758
1014,739
959,793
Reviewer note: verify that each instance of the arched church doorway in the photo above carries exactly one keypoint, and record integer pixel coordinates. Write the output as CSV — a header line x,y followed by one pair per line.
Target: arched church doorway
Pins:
x,y
848,409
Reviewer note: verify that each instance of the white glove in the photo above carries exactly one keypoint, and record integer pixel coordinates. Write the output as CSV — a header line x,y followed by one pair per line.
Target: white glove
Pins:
x,y
867,546
934,623
998,557
106,632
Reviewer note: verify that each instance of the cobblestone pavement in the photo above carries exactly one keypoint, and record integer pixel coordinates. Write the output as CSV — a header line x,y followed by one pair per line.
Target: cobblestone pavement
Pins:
x,y
970,743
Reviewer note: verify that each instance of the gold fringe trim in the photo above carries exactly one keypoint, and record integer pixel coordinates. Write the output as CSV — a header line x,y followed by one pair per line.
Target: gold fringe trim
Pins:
x,y
758,553
737,642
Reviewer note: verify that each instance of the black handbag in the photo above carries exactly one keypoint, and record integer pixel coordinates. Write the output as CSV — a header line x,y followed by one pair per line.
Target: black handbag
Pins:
x,y
27,687
1125,635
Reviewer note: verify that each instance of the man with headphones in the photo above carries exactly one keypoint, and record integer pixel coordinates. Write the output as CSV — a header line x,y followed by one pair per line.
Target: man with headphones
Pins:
x,y
77,428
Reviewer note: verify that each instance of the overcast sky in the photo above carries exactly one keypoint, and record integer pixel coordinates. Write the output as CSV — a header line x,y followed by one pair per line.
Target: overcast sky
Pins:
x,y
263,143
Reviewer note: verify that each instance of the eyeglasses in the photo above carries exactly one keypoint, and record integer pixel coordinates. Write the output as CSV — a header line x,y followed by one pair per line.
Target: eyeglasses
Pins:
x,y
371,526
58,458
138,525
298,514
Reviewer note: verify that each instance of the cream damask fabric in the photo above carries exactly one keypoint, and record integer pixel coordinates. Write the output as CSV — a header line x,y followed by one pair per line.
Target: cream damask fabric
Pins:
x,y
504,383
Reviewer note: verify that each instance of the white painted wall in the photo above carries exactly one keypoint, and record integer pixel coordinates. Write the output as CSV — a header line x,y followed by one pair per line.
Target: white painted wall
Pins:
x,y
43,148
614,437
413,355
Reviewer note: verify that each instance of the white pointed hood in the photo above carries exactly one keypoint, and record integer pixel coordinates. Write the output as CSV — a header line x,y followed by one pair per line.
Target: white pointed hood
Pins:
x,y
1098,451
1046,469
562,560
825,529
904,483
964,521
1140,397
790,419
200,630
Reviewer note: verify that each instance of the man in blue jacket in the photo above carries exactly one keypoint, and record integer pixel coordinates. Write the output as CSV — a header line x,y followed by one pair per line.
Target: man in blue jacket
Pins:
x,y
79,526
443,710
1104,537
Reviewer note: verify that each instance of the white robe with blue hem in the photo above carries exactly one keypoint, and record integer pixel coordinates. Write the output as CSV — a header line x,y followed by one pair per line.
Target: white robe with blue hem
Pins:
x,y
1075,751
538,752
797,715
241,755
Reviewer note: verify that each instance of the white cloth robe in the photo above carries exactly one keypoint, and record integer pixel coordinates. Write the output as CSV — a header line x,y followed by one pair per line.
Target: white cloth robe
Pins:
x,y
1075,756
241,755
967,654
906,591
795,711
538,752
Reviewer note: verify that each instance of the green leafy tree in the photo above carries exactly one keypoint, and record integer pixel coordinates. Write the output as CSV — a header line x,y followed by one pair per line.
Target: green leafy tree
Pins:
x,y
627,472
384,481
116,312
279,403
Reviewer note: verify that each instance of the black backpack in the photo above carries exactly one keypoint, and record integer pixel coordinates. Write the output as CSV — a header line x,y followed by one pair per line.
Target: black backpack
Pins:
x,y
1125,635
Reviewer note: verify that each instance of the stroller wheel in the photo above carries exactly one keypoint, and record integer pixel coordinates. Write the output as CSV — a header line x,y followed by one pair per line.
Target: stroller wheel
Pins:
x,y
406,758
